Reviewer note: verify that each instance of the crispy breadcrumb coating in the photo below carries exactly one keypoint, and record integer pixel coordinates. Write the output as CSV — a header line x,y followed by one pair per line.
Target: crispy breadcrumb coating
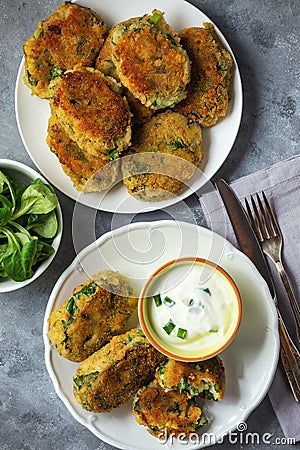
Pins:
x,y
109,377
71,35
204,378
92,110
207,93
88,173
97,310
149,60
169,412
164,154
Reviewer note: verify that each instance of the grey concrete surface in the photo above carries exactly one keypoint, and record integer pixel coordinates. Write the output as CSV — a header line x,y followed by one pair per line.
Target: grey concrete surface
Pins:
x,y
264,35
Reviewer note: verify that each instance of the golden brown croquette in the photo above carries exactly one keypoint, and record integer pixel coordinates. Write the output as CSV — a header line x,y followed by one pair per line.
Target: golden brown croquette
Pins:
x,y
88,173
71,35
97,310
109,377
149,60
204,378
92,111
169,412
207,93
164,154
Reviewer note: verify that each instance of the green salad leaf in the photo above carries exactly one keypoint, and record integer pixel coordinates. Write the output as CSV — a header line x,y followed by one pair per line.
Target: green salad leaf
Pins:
x,y
5,210
28,225
45,225
36,199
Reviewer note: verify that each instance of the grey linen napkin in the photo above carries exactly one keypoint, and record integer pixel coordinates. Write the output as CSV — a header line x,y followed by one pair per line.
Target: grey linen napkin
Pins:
x,y
281,183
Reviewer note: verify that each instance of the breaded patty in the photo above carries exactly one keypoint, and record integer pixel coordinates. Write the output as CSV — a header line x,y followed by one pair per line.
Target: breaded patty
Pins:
x,y
204,378
104,62
92,111
109,377
207,94
71,35
140,113
150,61
168,144
169,412
97,310
88,172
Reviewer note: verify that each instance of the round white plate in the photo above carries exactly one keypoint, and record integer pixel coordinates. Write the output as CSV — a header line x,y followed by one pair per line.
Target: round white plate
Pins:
x,y
32,115
250,361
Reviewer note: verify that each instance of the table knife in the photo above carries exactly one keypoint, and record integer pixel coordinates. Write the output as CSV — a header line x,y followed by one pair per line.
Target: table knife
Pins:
x,y
249,244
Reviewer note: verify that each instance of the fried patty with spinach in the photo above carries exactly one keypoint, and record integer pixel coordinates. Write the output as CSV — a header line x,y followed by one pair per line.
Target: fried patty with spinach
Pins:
x,y
208,92
92,110
71,35
108,378
204,378
88,173
169,412
164,155
97,310
150,61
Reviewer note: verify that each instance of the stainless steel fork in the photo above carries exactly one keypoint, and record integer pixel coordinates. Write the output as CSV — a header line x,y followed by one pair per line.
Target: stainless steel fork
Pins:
x,y
268,232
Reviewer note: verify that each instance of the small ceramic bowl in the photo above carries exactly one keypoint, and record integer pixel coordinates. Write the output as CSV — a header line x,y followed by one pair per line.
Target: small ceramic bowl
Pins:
x,y
25,174
190,309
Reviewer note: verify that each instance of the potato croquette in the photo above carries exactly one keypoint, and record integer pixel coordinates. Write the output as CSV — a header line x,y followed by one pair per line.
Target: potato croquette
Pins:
x,y
140,113
150,61
97,310
109,377
207,93
92,111
71,35
169,412
88,173
104,62
167,144
204,378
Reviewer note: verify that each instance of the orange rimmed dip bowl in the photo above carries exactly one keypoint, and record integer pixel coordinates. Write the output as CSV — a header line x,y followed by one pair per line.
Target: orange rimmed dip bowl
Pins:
x,y
190,309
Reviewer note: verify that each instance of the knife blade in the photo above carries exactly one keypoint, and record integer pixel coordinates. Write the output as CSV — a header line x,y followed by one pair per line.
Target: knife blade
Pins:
x,y
244,233
249,244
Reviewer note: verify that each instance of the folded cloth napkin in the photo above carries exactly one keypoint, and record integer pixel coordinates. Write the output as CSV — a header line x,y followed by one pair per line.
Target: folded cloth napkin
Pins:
x,y
281,184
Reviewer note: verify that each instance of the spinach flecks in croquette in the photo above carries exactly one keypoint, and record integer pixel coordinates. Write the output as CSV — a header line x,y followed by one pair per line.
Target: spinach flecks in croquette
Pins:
x,y
150,62
96,311
79,380
113,154
88,290
71,307
177,144
55,72
155,18
65,38
171,39
174,408
30,79
80,44
128,339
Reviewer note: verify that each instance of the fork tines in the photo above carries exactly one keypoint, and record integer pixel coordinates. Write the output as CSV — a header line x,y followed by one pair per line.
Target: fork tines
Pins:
x,y
264,222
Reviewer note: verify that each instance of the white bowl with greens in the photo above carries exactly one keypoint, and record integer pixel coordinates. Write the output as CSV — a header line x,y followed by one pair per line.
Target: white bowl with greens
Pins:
x,y
30,225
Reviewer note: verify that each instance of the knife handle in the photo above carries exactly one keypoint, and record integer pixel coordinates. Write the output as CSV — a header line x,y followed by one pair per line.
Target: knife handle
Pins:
x,y
290,358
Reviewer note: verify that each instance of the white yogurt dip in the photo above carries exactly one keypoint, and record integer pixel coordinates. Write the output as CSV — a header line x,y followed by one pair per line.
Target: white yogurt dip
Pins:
x,y
194,306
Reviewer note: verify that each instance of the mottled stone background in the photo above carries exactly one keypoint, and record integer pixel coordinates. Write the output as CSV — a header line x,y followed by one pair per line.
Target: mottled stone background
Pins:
x,y
264,35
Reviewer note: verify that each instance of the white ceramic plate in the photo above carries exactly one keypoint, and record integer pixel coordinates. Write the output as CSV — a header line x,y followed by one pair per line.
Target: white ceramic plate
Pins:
x,y
32,115
250,360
